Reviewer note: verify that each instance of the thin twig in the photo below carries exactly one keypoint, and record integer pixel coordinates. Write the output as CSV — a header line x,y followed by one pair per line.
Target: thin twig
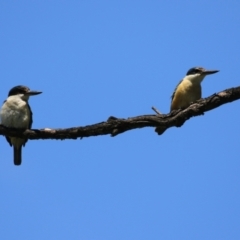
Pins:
x,y
156,111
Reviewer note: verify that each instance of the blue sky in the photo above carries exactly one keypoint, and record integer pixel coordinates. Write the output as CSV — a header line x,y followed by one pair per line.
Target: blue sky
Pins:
x,y
94,59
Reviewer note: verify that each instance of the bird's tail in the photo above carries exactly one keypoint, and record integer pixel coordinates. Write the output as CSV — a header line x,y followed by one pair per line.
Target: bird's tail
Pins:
x,y
17,155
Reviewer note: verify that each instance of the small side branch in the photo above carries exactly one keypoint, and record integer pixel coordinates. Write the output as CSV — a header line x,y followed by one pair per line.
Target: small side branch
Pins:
x,y
156,111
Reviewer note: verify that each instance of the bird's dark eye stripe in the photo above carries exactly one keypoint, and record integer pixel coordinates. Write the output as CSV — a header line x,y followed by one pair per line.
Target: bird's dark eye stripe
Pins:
x,y
193,71
18,89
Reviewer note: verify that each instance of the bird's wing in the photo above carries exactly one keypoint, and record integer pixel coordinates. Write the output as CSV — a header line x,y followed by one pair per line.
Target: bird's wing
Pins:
x,y
173,95
31,118
30,121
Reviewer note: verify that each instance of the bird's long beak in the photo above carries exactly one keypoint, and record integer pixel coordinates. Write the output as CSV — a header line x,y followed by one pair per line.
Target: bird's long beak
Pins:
x,y
32,93
207,72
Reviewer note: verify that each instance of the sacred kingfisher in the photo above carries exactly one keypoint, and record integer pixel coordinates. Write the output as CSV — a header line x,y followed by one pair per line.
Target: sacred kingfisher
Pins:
x,y
188,90
16,113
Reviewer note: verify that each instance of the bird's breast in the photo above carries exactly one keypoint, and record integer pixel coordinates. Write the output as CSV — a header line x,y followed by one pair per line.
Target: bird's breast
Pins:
x,y
186,93
15,113
190,90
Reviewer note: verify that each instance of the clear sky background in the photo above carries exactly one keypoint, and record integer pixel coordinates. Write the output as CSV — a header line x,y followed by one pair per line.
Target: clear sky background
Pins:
x,y
94,59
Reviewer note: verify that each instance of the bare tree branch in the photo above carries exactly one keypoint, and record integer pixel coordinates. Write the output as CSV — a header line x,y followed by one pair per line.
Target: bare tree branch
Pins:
x,y
115,126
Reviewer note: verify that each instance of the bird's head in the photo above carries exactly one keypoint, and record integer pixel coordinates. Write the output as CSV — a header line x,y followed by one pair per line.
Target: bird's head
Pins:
x,y
23,92
197,74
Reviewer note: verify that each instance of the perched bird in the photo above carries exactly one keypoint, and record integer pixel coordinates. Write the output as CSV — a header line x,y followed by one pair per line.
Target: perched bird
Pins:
x,y
188,90
16,113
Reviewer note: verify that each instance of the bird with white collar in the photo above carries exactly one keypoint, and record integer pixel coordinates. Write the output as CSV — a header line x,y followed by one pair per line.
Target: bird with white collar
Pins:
x,y
16,113
188,90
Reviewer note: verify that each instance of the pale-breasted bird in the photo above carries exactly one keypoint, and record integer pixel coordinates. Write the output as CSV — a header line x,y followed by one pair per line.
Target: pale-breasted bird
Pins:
x,y
188,90
16,113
